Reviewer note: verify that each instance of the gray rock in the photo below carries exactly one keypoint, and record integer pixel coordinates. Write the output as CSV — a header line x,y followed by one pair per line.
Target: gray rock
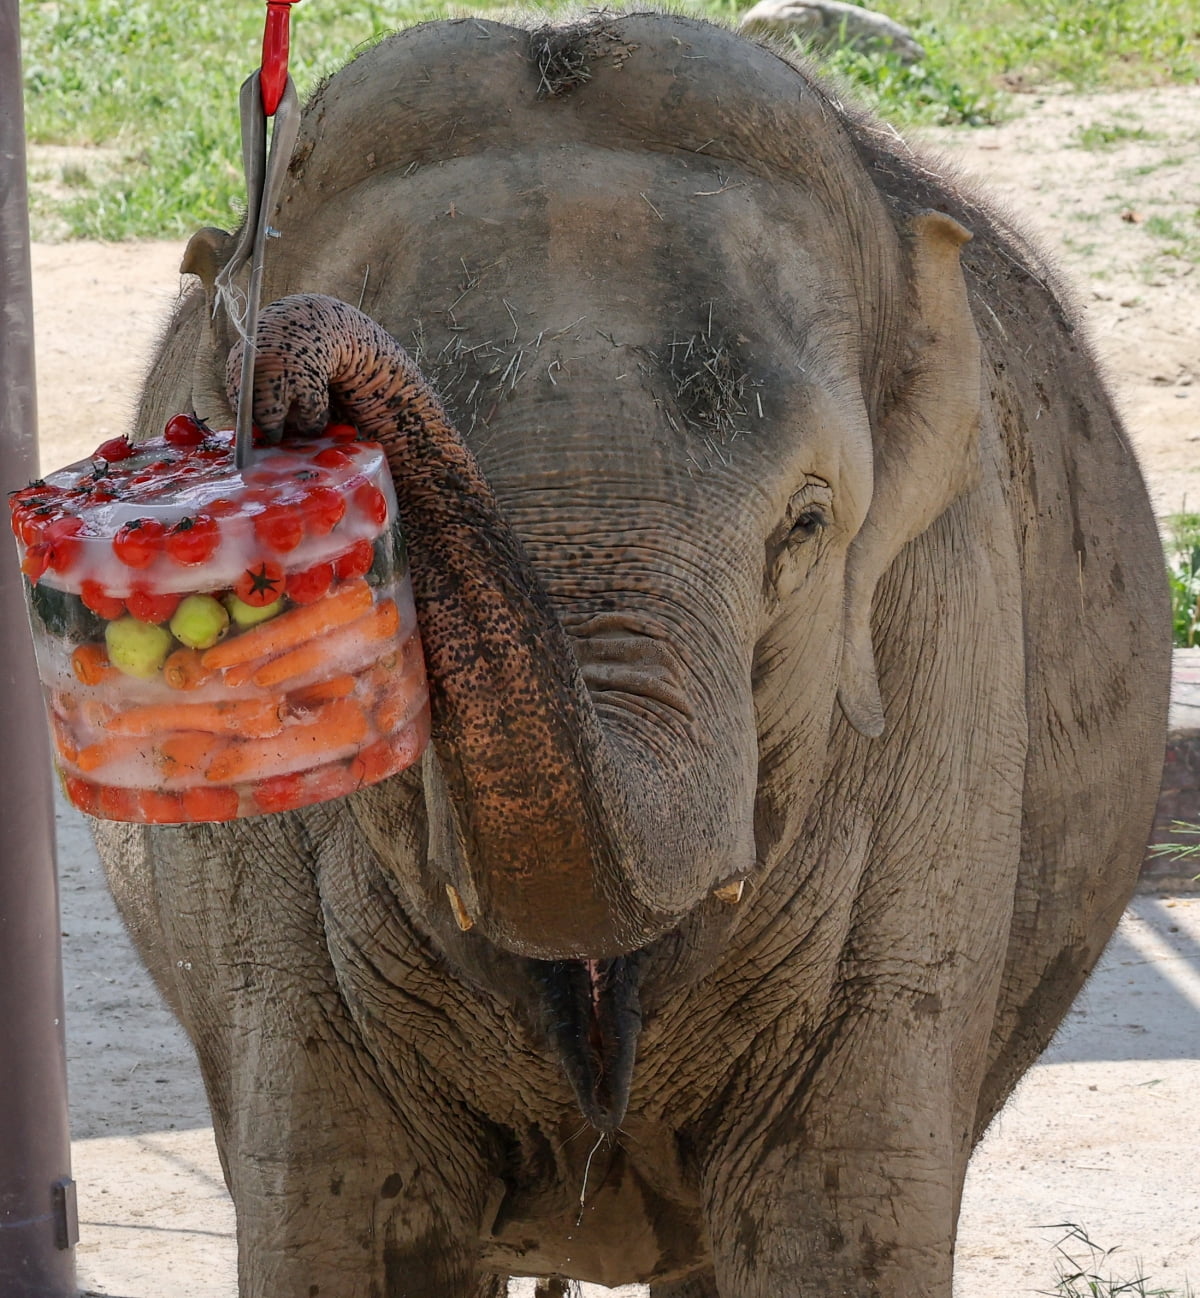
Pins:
x,y
827,24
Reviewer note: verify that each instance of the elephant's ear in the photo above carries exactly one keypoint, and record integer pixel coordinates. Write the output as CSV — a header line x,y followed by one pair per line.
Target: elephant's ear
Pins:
x,y
205,256
926,448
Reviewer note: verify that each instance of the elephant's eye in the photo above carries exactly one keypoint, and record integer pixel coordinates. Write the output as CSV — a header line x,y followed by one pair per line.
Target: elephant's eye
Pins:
x,y
808,523
809,511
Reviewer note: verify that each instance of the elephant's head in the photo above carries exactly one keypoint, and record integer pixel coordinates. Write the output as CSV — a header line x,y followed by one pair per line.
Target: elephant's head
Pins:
x,y
708,386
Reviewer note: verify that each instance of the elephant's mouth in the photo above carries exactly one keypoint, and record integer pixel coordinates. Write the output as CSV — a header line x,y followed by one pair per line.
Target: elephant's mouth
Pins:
x,y
593,1017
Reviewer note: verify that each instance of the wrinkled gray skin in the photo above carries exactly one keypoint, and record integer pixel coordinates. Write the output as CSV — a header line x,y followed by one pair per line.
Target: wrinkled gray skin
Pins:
x,y
875,624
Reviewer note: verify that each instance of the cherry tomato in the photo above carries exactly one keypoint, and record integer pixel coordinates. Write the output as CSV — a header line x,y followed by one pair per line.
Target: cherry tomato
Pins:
x,y
34,523
222,507
100,601
324,509
138,543
310,585
372,502
341,432
116,448
114,803
62,538
332,458
83,793
158,808
36,561
282,793
261,584
183,430
152,606
193,540
280,527
37,490
26,503
355,562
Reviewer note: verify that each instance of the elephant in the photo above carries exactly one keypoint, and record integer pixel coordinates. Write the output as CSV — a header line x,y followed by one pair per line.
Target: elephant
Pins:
x,y
798,649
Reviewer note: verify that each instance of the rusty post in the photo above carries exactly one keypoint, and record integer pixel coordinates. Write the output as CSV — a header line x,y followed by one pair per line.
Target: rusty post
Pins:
x,y
37,1202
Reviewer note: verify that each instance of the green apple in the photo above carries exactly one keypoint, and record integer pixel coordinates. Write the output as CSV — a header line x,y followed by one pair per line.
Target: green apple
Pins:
x,y
199,621
137,648
247,615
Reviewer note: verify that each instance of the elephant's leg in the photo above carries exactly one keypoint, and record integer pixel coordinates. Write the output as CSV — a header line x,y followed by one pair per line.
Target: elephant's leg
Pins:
x,y
852,1186
701,1285
340,1194
555,1286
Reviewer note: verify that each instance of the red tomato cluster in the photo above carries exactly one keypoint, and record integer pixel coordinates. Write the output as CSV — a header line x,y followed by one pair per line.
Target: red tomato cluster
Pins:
x,y
285,508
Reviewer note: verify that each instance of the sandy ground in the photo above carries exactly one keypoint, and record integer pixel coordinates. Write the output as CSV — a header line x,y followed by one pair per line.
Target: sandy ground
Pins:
x,y
1101,1132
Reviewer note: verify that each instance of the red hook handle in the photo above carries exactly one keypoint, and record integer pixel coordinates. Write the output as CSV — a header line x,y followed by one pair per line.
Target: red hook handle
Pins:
x,y
274,72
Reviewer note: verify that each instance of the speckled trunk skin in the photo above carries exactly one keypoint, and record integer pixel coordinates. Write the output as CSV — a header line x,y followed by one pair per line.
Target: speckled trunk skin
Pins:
x,y
560,846
644,591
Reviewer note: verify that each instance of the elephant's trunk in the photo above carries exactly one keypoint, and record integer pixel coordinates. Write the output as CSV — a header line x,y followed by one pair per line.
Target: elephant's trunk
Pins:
x,y
560,855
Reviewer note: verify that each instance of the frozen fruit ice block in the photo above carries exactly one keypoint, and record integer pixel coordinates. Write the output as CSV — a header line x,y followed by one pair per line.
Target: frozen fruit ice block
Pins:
x,y
213,643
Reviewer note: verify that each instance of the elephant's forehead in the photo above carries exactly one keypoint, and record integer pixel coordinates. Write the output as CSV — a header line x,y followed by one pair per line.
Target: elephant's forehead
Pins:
x,y
673,295
647,242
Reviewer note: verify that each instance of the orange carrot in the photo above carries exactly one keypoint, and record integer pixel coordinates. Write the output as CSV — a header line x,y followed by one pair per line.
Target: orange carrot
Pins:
x,y
187,752
106,751
90,664
336,687
184,670
95,713
409,663
379,624
240,674
154,807
387,619
399,703
373,763
252,717
347,602
114,802
210,803
64,740
297,662
301,789
335,730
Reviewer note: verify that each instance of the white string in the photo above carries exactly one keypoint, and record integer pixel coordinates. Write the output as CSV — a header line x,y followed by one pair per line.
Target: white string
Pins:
x,y
587,1167
236,303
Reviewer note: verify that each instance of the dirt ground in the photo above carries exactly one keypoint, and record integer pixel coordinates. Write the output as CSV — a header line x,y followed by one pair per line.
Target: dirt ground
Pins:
x,y
1100,1133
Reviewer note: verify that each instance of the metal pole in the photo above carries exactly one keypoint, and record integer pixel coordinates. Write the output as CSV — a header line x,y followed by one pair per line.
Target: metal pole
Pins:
x,y
37,1202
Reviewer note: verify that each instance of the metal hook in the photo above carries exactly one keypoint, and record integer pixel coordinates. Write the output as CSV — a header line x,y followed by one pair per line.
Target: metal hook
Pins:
x,y
265,173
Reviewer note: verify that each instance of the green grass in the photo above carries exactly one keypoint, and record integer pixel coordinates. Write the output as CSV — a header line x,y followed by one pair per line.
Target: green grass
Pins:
x,y
975,53
158,81
1180,235
1104,135
1182,546
1085,1270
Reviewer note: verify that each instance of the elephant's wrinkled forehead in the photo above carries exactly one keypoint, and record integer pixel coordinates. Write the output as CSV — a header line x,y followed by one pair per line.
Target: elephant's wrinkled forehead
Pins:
x,y
651,251
694,298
